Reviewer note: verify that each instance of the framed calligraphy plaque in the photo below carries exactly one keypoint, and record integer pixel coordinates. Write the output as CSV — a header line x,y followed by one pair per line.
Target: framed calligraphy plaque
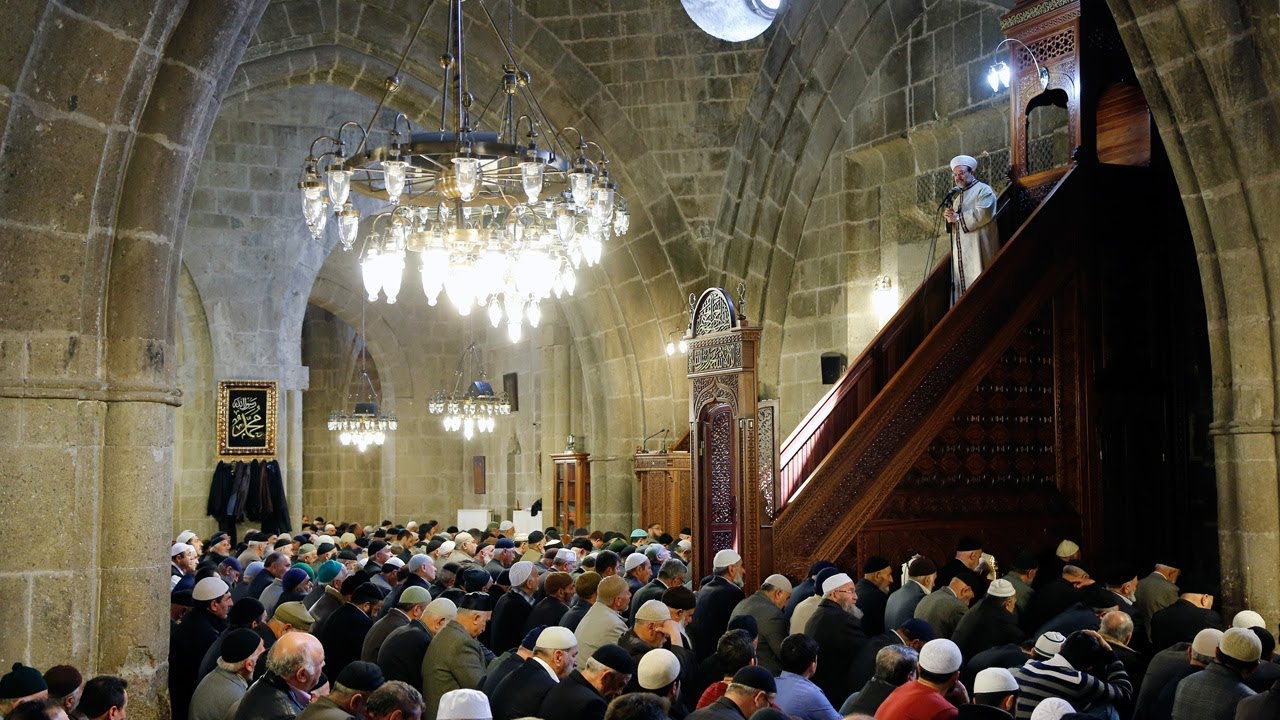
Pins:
x,y
247,417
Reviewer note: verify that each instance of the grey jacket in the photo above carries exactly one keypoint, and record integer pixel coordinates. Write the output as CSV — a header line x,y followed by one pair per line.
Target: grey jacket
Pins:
x,y
902,604
216,693
942,610
454,660
773,629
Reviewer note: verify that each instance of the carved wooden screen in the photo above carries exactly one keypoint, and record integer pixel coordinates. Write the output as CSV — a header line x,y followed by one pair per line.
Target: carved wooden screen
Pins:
x,y
719,468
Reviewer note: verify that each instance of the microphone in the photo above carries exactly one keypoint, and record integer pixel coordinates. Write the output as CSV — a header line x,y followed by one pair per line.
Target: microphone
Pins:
x,y
644,444
950,194
665,435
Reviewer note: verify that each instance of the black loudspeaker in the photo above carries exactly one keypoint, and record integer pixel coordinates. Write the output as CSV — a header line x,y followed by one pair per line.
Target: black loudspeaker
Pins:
x,y
833,365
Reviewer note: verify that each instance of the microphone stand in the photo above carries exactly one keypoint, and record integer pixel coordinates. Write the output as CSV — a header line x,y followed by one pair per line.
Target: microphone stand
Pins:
x,y
644,444
933,235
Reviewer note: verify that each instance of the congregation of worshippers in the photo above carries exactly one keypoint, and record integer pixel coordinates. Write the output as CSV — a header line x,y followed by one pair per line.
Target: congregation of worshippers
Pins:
x,y
401,622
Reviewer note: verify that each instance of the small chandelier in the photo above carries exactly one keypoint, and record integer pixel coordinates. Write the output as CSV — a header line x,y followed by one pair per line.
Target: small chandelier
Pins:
x,y
365,425
472,407
500,222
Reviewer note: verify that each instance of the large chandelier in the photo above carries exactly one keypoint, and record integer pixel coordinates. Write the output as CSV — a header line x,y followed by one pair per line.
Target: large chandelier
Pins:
x,y
498,220
365,425
471,406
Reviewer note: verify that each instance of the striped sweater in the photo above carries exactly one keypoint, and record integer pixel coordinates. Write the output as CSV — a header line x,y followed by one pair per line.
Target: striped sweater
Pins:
x,y
1055,677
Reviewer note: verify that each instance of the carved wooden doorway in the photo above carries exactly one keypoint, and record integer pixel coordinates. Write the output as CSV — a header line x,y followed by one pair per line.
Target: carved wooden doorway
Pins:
x,y
719,467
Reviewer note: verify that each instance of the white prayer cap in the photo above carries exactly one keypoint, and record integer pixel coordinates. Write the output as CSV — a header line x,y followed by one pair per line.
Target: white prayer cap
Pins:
x,y
1241,644
836,581
1206,642
635,560
653,611
177,549
1052,709
411,525
657,669
210,588
463,538
1248,619
1048,644
326,539
995,680
441,607
520,572
725,558
464,704
964,160
684,546
186,537
1066,549
1002,589
505,525
555,637
566,555
417,562
940,656
520,537
362,562
778,582
395,562
447,547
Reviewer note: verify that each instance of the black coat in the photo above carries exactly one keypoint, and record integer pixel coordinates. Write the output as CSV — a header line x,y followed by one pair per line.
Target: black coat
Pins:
x,y
722,709
506,629
1000,656
393,598
506,665
863,667
871,601
577,610
1263,706
188,643
379,632
1054,597
840,637
548,611
260,582
268,699
872,696
400,656
652,590
716,600
521,691
1077,617
1179,623
573,699
986,625
343,638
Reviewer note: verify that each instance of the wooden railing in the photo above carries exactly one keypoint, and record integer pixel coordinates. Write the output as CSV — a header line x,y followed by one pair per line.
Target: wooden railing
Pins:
x,y
823,426
852,449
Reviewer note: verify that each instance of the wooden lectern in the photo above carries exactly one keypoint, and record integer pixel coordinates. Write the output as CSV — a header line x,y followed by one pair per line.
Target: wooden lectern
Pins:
x,y
666,487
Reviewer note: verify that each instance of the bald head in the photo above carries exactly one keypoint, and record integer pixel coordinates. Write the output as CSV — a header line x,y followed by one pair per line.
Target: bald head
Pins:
x,y
297,658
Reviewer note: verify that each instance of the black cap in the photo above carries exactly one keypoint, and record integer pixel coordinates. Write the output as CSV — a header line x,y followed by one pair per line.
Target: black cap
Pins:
x,y
615,658
1198,585
968,544
530,640
181,598
477,601
368,592
376,546
22,681
347,554
769,713
1099,598
245,611
351,583
1026,561
874,564
360,675
535,537
283,543
679,598
474,579
325,547
745,622
756,678
239,644
819,566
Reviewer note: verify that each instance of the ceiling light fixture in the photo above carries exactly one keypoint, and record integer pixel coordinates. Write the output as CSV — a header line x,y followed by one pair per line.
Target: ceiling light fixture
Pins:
x,y
499,221
471,407
365,425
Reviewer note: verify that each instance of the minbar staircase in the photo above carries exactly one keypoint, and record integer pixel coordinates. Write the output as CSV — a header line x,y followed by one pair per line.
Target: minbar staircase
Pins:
x,y
970,420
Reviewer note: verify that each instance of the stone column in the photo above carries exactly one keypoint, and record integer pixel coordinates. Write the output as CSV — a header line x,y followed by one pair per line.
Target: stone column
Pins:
x,y
293,456
1248,517
555,398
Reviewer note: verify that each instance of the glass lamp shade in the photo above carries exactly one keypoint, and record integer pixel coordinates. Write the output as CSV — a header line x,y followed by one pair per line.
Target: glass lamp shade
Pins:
x,y
580,185
348,225
392,271
495,312
621,222
394,172
435,270
531,179
466,173
564,224
602,202
339,181
370,273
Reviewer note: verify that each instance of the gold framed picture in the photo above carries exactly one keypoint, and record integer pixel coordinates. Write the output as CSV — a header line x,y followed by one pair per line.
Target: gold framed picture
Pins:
x,y
247,418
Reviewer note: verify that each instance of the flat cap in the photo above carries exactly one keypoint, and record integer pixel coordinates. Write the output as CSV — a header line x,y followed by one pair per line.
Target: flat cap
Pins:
x,y
294,614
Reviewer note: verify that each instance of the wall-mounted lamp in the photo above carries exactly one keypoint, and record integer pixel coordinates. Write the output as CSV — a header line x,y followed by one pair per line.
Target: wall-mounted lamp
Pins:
x,y
884,300
673,346
1001,76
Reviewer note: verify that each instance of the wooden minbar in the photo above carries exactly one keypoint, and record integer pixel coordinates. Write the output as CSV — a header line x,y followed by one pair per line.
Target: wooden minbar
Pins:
x,y
666,487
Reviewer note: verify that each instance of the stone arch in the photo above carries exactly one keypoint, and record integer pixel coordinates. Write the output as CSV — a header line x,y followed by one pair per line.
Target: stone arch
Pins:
x,y
195,437
1209,78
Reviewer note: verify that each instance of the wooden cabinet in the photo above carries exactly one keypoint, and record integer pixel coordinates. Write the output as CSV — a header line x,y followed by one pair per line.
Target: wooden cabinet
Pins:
x,y
666,490
573,490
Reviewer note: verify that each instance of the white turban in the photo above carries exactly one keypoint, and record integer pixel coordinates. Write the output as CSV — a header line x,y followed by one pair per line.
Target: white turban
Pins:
x,y
964,160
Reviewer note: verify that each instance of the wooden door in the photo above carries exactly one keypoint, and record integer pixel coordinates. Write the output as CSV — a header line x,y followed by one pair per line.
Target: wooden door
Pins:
x,y
720,511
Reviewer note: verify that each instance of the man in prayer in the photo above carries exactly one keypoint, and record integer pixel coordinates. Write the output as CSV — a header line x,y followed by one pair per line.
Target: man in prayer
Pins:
x,y
971,214
604,622
400,656
555,655
766,606
227,683
839,635
586,693
455,659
